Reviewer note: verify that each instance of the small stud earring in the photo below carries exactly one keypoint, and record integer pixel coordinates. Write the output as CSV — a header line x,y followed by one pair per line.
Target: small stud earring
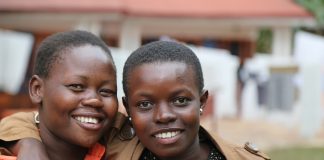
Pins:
x,y
130,119
201,110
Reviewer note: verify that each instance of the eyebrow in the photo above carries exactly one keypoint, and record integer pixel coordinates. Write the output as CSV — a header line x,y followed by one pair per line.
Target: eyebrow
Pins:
x,y
80,76
173,93
86,78
143,94
178,91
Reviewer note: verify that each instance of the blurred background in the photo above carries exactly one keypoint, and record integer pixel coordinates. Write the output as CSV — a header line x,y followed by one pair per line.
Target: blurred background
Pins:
x,y
263,60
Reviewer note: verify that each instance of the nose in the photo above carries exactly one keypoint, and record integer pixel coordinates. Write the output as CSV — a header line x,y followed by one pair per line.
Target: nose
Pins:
x,y
164,113
92,99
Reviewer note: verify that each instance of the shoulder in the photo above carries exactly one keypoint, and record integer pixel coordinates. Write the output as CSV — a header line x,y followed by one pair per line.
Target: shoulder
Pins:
x,y
20,117
121,129
18,126
123,143
252,149
250,152
231,151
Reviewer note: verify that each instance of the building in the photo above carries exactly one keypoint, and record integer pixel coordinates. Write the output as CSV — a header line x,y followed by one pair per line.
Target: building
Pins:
x,y
230,24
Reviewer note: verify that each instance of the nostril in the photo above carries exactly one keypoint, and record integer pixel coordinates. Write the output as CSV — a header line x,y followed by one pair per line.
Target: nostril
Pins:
x,y
93,102
165,117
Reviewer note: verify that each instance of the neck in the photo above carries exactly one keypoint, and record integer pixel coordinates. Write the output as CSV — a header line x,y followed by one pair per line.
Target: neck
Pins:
x,y
59,149
197,151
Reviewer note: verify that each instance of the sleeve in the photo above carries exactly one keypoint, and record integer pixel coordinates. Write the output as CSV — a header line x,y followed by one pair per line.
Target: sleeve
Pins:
x,y
18,126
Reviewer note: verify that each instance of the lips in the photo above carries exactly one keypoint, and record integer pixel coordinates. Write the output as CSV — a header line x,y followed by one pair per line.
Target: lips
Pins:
x,y
165,135
84,119
89,120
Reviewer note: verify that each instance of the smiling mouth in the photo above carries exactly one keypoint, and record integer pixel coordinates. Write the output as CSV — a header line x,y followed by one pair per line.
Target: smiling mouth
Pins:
x,y
165,135
84,119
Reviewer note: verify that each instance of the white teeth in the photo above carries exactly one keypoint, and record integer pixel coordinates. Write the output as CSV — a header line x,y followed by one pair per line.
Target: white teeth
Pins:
x,y
87,119
167,134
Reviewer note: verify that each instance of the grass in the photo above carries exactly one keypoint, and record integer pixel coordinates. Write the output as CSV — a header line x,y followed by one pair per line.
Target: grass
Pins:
x,y
297,153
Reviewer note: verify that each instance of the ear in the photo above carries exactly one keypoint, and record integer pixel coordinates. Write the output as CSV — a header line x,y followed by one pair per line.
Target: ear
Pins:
x,y
203,98
36,89
125,103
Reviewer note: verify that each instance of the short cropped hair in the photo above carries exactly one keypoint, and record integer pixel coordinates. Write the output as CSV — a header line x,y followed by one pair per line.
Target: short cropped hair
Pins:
x,y
163,51
52,48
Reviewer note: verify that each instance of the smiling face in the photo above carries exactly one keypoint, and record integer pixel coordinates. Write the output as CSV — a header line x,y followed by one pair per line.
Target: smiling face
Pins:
x,y
164,101
78,97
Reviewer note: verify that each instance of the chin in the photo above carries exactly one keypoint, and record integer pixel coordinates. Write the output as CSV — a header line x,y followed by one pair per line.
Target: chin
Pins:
x,y
89,142
167,154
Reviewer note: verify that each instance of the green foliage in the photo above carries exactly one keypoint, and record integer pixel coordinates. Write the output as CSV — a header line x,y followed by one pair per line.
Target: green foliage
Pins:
x,y
264,41
297,154
316,7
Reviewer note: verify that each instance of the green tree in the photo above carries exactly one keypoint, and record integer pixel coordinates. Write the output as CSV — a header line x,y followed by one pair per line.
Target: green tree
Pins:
x,y
316,7
264,41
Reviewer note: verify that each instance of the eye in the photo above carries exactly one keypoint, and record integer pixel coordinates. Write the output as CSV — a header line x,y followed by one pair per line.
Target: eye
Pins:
x,y
107,92
144,105
181,101
76,87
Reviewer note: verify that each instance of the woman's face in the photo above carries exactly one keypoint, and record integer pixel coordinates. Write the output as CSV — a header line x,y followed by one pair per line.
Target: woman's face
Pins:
x,y
163,102
79,100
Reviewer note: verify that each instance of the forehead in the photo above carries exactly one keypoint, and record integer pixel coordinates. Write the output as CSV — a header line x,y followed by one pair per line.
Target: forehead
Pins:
x,y
159,72
87,57
85,52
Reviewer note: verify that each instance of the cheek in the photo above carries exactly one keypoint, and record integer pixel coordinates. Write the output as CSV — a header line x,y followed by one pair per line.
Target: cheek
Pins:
x,y
191,120
190,117
111,107
140,121
58,98
59,103
55,111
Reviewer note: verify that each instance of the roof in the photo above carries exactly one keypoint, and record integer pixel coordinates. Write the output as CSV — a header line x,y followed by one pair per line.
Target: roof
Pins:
x,y
164,8
61,5
217,8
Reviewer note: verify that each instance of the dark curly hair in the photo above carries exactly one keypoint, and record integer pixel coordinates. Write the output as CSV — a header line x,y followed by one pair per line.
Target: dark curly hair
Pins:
x,y
52,48
162,51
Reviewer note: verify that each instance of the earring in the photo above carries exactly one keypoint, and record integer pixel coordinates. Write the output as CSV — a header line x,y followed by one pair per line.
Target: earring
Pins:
x,y
127,131
130,119
201,110
36,118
